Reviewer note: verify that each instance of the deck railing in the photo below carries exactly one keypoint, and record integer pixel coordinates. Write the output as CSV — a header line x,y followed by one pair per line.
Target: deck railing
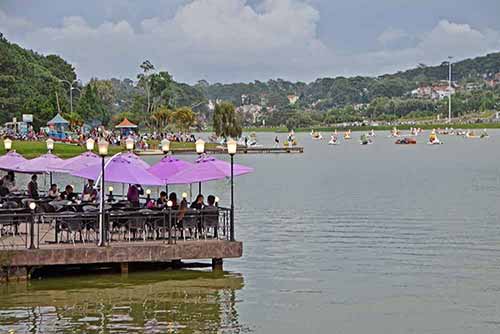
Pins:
x,y
26,229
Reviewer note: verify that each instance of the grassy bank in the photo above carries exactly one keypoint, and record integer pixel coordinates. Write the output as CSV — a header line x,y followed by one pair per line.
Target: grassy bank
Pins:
x,y
33,149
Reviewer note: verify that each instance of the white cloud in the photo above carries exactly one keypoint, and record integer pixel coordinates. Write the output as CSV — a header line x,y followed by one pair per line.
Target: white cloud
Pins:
x,y
13,25
204,37
445,39
231,40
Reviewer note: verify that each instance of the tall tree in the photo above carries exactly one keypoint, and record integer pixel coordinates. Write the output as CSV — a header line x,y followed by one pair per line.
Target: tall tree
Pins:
x,y
226,121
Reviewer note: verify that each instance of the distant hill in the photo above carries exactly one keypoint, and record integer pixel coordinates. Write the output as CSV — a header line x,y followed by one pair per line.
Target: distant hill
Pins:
x,y
325,93
29,82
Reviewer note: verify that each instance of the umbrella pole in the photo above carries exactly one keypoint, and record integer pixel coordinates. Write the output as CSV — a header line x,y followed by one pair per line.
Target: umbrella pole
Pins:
x,y
166,188
199,188
50,178
190,193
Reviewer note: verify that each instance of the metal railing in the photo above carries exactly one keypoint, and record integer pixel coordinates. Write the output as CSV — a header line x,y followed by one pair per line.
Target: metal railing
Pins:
x,y
26,229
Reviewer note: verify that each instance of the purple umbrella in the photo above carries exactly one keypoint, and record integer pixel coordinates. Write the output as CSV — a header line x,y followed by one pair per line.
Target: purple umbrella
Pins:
x,y
167,167
83,160
120,170
46,163
11,160
135,159
208,169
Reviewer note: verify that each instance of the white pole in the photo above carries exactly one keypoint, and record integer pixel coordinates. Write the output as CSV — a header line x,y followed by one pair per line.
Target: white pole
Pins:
x,y
449,89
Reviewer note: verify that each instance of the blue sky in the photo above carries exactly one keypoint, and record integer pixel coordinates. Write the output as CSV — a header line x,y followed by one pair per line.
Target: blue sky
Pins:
x,y
246,40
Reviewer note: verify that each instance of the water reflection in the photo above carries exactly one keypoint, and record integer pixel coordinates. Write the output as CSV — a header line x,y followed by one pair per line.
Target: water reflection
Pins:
x,y
160,302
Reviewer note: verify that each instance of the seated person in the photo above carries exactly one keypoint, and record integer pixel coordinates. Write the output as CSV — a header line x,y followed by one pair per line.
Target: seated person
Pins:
x,y
173,198
162,201
53,192
9,182
198,203
133,194
89,193
4,191
33,187
68,194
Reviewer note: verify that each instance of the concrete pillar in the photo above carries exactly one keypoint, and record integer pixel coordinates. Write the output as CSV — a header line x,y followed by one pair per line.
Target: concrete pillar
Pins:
x,y
124,268
14,274
217,265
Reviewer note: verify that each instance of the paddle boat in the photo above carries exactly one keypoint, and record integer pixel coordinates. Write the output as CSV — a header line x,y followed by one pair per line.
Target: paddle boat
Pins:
x,y
434,140
333,140
364,140
484,134
316,135
406,141
347,135
371,133
471,135
395,133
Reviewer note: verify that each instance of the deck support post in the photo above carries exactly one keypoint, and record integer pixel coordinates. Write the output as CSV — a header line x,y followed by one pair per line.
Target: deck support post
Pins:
x,y
124,268
217,265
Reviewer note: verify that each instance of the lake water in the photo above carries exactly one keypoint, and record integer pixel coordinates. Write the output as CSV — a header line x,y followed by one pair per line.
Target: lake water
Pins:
x,y
347,239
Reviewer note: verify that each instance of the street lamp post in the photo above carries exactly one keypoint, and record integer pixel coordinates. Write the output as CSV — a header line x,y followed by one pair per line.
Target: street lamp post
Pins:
x,y
70,91
200,149
449,88
129,144
90,143
103,151
32,207
50,148
165,148
231,149
7,144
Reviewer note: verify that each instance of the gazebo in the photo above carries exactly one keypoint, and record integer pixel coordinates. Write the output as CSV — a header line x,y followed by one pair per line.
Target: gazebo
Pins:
x,y
126,127
57,126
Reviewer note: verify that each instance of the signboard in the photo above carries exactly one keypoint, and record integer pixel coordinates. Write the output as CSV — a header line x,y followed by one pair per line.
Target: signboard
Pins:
x,y
28,118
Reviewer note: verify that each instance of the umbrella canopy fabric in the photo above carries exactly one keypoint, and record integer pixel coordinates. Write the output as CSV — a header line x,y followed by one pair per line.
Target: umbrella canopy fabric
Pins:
x,y
57,120
120,170
135,159
83,160
167,167
46,163
11,160
208,169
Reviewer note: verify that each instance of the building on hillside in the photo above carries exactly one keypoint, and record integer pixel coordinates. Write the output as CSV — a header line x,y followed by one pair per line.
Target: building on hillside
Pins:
x,y
422,92
441,92
250,113
292,99
245,99
361,106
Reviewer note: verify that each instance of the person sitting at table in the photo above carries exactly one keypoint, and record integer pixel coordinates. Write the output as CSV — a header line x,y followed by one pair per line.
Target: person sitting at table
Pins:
x,y
173,197
133,194
68,194
33,187
9,181
162,200
4,191
89,193
198,203
53,192
211,215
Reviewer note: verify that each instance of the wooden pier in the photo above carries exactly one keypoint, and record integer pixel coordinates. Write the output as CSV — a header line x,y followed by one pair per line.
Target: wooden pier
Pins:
x,y
222,150
17,264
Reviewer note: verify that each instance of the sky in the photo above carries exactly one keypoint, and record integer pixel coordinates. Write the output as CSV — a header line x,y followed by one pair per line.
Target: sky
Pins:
x,y
247,40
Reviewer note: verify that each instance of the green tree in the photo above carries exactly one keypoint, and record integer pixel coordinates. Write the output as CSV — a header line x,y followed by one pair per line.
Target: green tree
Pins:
x,y
226,122
183,118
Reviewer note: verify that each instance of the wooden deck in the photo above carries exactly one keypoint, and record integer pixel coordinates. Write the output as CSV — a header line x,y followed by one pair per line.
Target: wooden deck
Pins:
x,y
17,263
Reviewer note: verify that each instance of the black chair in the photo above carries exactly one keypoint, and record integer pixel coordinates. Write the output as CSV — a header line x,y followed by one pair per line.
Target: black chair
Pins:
x,y
210,220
